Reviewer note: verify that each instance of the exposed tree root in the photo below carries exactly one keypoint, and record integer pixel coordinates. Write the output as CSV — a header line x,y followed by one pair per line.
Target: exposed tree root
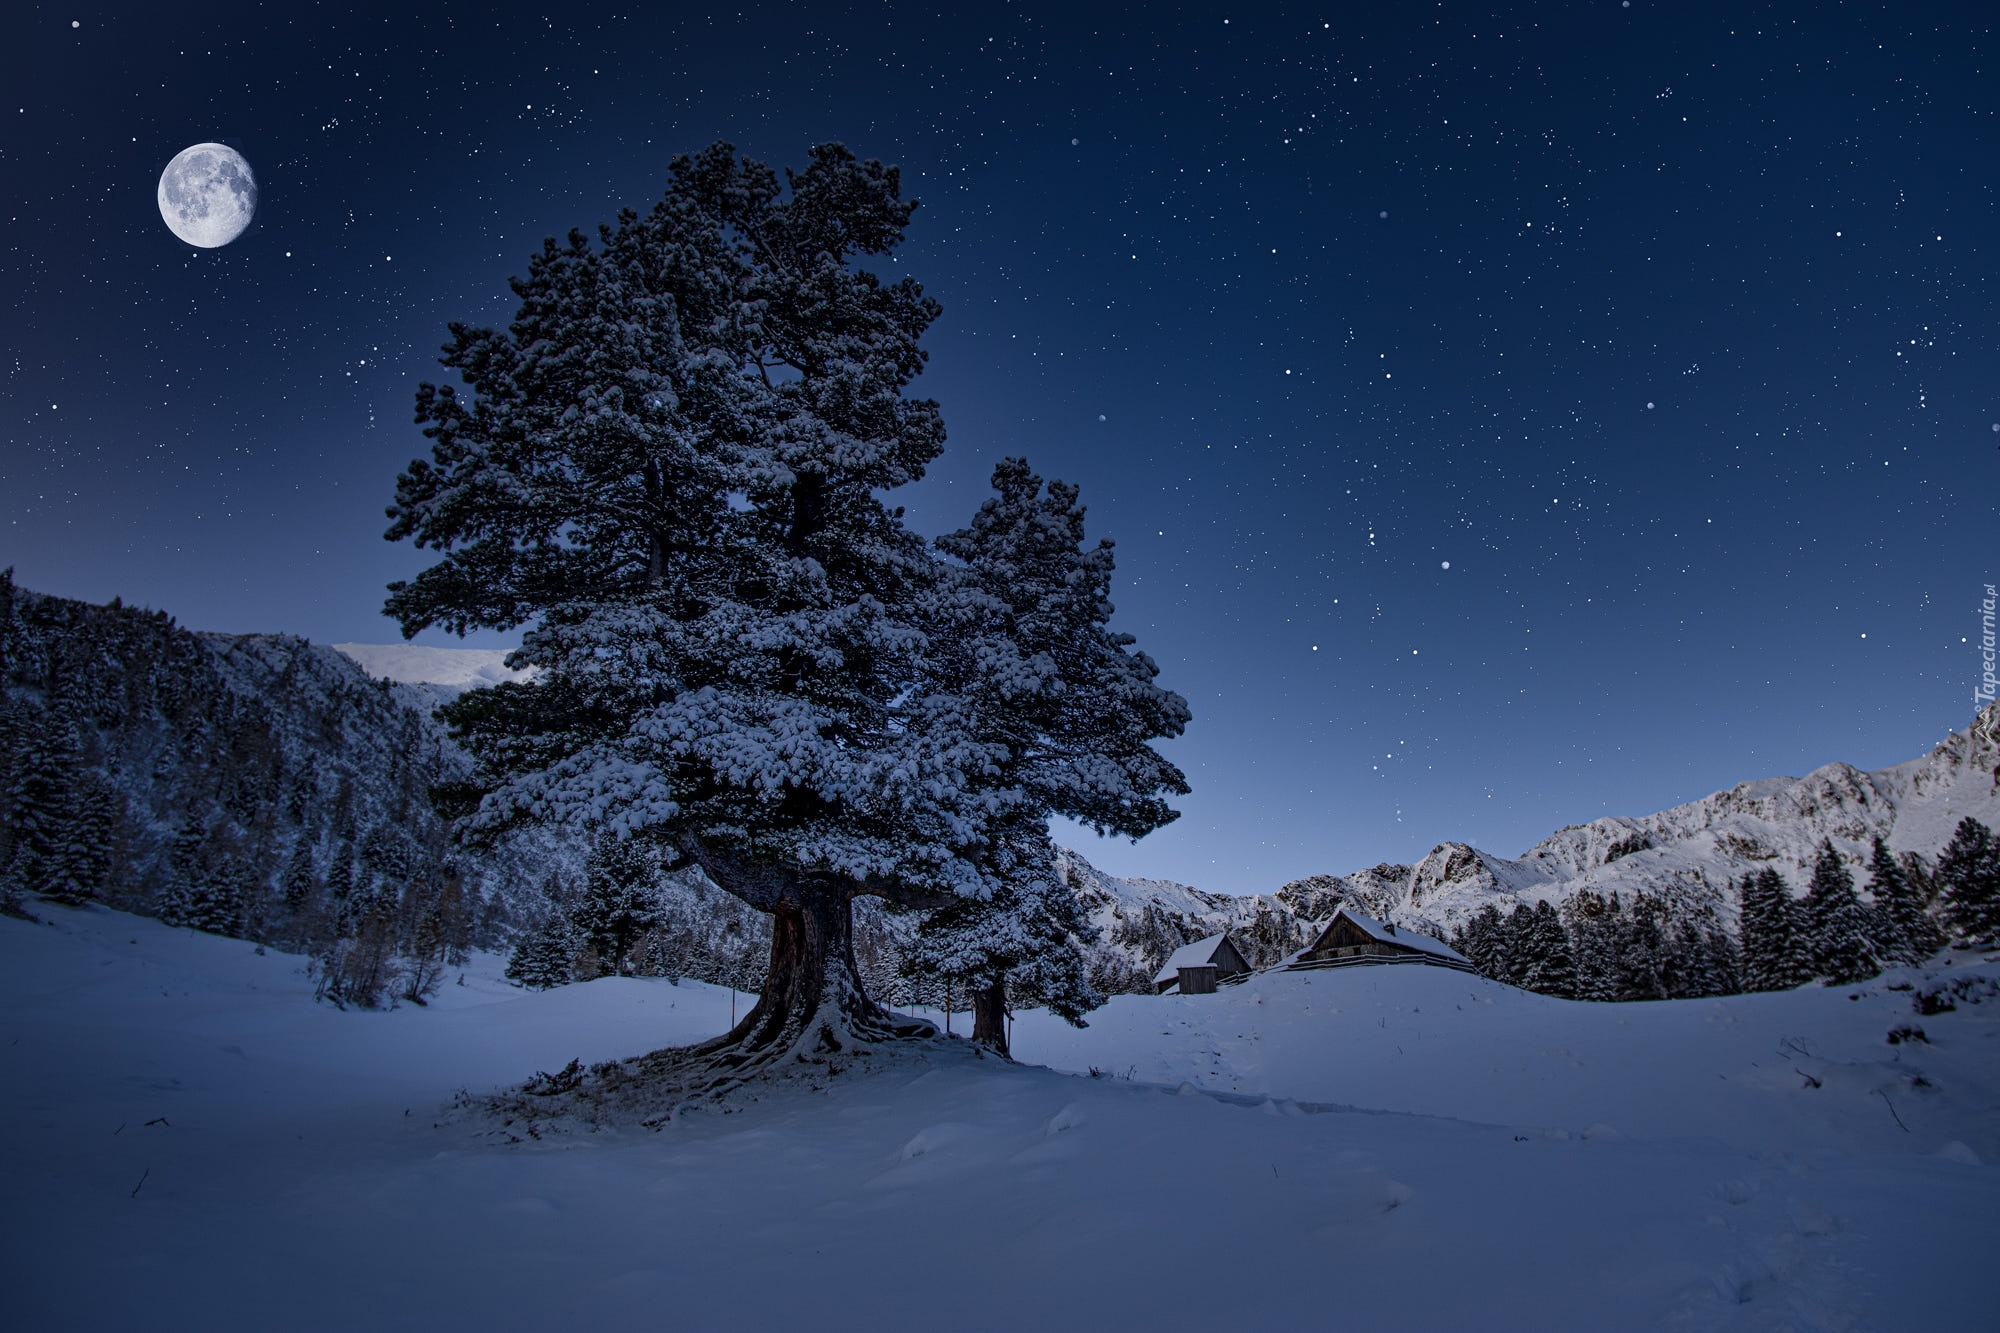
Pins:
x,y
652,1090
812,1023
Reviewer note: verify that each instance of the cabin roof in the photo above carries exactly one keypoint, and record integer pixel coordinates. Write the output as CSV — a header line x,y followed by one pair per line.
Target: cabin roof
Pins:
x,y
1199,954
1388,934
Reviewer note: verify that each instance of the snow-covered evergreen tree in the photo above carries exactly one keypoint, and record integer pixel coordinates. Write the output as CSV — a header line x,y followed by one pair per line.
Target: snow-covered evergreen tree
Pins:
x,y
1025,672
1642,950
1480,939
82,840
545,955
616,908
1968,883
671,467
1840,932
1908,934
1028,938
1921,876
184,895
299,885
1773,956
43,754
1550,963
1594,922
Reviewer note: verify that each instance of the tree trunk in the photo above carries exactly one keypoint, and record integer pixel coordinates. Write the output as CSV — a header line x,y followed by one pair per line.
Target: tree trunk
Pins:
x,y
989,1017
812,1004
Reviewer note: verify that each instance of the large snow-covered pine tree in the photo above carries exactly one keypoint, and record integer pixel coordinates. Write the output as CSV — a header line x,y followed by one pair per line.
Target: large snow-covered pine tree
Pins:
x,y
670,469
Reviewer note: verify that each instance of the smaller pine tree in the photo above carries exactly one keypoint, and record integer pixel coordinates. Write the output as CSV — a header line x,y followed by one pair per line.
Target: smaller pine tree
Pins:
x,y
1908,935
42,771
340,890
1642,950
1841,946
1968,884
617,907
1772,956
77,865
1027,941
1518,945
1479,939
545,956
1592,921
1922,878
1725,958
1550,962
299,885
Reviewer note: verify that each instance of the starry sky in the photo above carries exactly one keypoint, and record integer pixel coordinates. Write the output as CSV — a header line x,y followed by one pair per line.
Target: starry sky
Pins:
x,y
1507,416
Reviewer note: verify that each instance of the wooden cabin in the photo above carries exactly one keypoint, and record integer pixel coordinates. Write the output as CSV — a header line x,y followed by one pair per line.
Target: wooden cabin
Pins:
x,y
1353,938
1196,969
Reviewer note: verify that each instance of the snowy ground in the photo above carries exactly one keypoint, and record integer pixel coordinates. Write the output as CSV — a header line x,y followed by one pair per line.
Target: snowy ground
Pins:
x,y
1384,1147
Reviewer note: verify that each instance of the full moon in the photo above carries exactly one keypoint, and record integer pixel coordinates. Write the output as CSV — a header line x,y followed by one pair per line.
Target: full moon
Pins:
x,y
207,195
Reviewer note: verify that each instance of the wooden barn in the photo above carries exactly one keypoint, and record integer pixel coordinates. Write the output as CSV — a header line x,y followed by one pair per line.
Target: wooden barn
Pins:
x,y
1196,969
1353,938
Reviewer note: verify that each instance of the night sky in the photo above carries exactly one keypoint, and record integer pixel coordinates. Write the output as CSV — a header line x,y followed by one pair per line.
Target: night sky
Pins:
x,y
1506,417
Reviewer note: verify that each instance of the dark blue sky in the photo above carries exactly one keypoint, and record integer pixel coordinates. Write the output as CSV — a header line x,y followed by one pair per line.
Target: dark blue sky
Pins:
x,y
1672,328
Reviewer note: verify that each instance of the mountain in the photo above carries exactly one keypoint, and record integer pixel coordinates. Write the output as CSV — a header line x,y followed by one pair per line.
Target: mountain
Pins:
x,y
242,783
1687,856
1694,851
1142,921
437,675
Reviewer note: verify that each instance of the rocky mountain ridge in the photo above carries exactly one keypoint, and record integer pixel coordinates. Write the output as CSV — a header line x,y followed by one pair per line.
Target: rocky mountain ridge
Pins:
x,y
1688,853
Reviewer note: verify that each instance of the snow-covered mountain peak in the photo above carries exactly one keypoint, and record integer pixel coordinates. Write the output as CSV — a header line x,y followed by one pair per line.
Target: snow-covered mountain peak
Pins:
x,y
417,664
1689,854
1700,847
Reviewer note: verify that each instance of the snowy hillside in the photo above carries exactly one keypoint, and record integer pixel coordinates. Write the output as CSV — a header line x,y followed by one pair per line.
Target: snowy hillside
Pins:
x,y
192,1143
254,784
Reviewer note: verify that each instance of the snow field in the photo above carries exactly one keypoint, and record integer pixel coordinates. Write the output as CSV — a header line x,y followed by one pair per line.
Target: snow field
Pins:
x,y
288,1187
1433,1042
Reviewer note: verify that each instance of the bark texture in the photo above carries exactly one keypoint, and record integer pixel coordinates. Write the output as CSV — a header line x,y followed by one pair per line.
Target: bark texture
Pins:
x,y
812,1005
989,1017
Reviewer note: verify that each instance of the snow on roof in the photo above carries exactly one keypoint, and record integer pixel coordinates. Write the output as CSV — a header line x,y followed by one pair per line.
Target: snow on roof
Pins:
x,y
1409,939
1199,954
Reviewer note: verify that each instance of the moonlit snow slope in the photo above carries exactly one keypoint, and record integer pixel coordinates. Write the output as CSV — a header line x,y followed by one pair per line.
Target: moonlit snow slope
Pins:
x,y
189,1142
